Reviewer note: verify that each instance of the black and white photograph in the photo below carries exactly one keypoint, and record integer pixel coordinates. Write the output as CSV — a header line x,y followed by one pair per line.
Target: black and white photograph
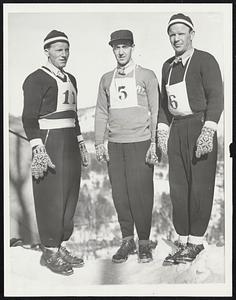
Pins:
x,y
117,126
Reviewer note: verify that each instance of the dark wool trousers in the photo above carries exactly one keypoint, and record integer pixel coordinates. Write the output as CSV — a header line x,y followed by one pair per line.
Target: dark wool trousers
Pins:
x,y
191,179
132,187
56,195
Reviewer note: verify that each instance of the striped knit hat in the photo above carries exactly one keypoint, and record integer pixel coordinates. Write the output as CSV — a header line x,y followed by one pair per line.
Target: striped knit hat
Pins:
x,y
55,36
180,18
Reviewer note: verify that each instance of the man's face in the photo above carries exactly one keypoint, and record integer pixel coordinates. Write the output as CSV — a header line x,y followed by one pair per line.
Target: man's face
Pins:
x,y
123,53
181,37
58,54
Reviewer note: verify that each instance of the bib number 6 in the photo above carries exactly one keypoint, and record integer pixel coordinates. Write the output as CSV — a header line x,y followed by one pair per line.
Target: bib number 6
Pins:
x,y
173,103
122,93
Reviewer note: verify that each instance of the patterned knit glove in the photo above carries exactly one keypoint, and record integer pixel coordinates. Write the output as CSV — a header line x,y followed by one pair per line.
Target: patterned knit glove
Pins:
x,y
162,140
205,141
84,154
151,157
102,153
41,162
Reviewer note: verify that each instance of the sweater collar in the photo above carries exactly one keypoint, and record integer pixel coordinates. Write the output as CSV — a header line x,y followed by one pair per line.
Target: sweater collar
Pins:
x,y
126,69
184,57
54,69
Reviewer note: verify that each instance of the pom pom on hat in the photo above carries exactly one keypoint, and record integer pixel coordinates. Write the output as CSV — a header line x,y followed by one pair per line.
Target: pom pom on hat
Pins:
x,y
55,36
180,18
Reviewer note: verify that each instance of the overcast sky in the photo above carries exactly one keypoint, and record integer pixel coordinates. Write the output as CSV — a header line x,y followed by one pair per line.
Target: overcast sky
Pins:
x,y
89,27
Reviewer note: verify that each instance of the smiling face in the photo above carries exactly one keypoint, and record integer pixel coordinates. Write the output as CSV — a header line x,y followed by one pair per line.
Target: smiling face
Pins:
x,y
181,37
58,54
123,53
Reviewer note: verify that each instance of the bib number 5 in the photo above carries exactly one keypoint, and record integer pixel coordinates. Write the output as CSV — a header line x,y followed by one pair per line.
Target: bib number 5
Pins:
x,y
122,93
173,103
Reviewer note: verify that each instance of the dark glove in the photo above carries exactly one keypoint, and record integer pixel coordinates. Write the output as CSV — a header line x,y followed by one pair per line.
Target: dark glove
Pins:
x,y
151,157
84,154
101,153
205,141
41,162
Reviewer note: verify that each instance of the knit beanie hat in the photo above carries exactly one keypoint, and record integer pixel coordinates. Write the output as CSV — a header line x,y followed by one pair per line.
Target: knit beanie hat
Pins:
x,y
180,18
55,36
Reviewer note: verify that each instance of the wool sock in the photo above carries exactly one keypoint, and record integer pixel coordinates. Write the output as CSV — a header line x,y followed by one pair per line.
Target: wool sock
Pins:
x,y
196,240
183,239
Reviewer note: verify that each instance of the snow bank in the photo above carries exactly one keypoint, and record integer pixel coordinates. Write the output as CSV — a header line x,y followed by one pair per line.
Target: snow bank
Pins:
x,y
26,276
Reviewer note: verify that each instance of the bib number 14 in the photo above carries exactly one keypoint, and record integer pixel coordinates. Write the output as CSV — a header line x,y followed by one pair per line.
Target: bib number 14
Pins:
x,y
173,103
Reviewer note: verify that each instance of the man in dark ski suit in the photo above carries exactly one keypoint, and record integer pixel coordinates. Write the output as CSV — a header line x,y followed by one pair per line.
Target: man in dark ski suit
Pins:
x,y
191,106
51,124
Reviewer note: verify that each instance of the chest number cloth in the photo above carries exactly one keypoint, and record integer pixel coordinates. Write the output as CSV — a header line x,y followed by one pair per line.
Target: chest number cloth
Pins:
x,y
66,94
123,92
178,102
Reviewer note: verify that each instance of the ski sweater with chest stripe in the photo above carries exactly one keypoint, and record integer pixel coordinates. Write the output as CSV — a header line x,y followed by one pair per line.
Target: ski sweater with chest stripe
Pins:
x,y
131,124
203,83
40,99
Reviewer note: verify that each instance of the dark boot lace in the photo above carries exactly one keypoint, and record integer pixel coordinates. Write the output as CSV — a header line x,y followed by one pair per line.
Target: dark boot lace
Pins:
x,y
145,249
180,247
125,248
57,259
191,251
67,253
145,252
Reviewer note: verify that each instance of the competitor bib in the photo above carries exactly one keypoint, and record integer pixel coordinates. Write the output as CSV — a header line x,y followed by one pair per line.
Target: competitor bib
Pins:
x,y
66,96
178,102
123,92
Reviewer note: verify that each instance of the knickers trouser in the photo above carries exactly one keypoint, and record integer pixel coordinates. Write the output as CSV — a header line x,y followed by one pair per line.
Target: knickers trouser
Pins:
x,y
56,195
191,179
132,187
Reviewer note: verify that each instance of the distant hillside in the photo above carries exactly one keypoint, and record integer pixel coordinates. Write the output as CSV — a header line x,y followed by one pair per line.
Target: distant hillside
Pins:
x,y
86,119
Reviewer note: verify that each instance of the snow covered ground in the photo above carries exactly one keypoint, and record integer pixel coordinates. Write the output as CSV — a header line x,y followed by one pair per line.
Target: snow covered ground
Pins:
x,y
26,276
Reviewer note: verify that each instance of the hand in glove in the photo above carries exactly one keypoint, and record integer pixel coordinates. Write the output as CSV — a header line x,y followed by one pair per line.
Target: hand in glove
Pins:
x,y
162,140
151,157
205,141
41,162
102,153
84,154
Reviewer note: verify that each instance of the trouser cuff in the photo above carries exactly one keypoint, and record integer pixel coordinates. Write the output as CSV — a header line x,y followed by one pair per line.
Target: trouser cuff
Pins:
x,y
143,242
127,238
49,249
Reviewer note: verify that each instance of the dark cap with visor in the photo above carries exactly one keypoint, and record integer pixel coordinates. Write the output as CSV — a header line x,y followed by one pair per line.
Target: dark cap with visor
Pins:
x,y
121,37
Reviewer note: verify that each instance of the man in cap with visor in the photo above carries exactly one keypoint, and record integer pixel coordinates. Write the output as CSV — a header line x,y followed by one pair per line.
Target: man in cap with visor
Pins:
x,y
128,103
51,124
190,108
